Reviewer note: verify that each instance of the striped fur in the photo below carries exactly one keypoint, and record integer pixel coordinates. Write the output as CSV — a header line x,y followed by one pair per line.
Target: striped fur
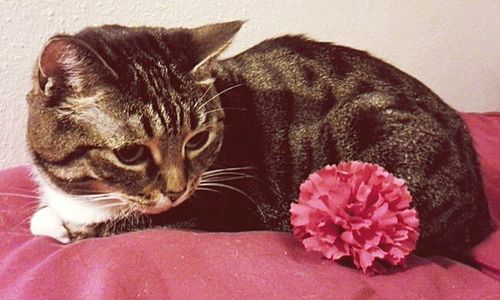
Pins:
x,y
290,106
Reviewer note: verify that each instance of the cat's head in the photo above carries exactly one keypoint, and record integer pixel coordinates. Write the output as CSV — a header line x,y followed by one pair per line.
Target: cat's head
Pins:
x,y
128,111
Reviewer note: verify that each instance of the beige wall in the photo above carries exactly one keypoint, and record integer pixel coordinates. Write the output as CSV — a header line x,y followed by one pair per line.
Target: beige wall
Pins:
x,y
452,46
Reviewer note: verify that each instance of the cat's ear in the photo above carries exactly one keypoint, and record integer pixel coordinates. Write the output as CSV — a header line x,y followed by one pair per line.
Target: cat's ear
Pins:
x,y
208,41
71,64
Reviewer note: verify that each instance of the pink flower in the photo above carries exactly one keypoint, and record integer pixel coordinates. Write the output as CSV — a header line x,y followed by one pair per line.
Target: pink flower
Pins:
x,y
359,210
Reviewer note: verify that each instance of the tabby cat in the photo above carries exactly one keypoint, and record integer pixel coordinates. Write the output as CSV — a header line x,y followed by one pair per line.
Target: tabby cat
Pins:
x,y
139,127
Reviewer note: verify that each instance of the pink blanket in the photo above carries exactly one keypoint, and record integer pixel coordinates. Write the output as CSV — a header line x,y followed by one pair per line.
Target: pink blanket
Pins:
x,y
174,264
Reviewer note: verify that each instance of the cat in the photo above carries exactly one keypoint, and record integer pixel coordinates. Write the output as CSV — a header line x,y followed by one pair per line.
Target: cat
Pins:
x,y
140,127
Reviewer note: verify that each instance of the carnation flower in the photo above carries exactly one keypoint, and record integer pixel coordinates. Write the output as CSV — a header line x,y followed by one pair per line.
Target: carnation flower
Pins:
x,y
356,210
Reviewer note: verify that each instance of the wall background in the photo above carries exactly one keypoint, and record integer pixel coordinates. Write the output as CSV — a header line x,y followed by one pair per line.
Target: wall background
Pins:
x,y
452,46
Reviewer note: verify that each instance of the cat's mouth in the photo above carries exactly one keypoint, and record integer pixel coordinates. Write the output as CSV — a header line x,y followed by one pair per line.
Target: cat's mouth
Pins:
x,y
162,203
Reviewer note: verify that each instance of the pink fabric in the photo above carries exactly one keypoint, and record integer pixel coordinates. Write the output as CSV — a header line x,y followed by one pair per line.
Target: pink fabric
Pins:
x,y
485,131
174,264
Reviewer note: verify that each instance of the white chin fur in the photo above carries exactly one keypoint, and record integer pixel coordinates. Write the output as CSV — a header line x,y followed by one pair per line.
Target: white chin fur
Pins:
x,y
68,207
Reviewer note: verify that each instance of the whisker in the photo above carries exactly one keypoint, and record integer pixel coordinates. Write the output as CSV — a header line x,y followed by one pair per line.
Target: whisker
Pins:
x,y
120,216
26,210
24,190
218,175
86,191
229,169
238,191
96,195
220,93
215,174
207,189
204,94
224,109
222,179
28,206
101,199
126,213
223,175
24,221
111,205
20,195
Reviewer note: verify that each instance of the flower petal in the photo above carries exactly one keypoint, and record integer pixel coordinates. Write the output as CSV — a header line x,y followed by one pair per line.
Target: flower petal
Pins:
x,y
356,209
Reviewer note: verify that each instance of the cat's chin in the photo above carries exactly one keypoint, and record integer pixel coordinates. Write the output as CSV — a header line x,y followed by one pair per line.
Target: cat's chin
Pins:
x,y
161,206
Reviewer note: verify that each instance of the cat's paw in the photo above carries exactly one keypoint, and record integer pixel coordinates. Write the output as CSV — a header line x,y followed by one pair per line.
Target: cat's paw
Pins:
x,y
46,222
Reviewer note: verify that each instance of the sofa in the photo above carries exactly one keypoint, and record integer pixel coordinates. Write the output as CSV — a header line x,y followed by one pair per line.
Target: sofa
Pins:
x,y
179,264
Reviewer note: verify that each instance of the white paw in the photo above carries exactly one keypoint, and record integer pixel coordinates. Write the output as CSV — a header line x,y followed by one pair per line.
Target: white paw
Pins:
x,y
46,222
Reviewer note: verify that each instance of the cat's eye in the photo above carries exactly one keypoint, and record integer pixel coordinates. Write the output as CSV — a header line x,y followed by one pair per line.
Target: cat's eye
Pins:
x,y
132,154
197,141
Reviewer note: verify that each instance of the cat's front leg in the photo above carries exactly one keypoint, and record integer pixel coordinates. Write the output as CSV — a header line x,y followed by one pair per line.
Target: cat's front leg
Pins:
x,y
47,222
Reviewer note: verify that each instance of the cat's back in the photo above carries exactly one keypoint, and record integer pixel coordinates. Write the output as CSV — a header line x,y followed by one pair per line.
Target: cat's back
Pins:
x,y
323,70
291,62
316,103
316,77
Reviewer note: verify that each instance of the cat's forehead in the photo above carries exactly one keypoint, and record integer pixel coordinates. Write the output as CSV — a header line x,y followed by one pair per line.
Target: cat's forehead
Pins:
x,y
139,56
120,120
153,79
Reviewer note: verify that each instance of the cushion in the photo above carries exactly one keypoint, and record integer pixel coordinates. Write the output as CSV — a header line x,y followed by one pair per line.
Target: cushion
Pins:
x,y
485,131
167,263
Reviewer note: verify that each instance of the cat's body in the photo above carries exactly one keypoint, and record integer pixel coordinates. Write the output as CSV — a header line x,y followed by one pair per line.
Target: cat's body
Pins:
x,y
289,107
